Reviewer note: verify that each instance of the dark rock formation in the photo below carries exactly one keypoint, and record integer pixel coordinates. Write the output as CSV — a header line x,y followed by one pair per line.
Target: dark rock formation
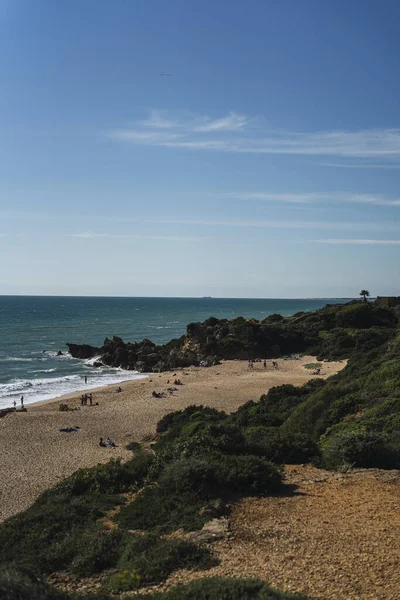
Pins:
x,y
82,350
215,339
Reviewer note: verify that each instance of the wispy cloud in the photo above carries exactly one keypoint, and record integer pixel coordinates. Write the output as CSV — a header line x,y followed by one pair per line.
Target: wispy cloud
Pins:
x,y
232,133
89,235
272,224
232,122
360,165
359,242
306,198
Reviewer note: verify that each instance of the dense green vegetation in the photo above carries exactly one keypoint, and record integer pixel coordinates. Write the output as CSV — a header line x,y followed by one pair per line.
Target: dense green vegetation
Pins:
x,y
18,585
204,460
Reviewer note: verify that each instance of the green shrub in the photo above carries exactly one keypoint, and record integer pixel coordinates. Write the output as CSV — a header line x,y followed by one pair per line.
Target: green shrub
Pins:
x,y
153,558
188,483
178,419
21,585
361,449
275,408
154,509
96,550
365,315
279,447
124,581
45,537
217,474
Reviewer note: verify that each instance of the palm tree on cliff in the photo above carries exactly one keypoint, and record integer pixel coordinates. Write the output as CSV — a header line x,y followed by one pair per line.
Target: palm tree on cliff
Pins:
x,y
364,294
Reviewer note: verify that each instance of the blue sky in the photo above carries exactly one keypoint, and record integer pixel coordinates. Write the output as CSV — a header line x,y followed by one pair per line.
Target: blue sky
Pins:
x,y
265,164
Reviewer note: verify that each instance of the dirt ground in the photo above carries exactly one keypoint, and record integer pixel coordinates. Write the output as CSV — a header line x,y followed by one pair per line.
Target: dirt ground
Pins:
x,y
337,537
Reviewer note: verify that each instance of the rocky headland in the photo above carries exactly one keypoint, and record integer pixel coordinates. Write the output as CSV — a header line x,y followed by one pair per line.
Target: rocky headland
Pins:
x,y
222,339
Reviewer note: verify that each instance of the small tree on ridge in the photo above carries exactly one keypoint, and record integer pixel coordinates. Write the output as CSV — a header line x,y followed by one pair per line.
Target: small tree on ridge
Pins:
x,y
364,294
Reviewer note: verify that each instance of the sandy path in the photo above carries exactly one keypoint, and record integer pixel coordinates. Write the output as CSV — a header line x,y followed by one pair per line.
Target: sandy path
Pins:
x,y
338,537
35,454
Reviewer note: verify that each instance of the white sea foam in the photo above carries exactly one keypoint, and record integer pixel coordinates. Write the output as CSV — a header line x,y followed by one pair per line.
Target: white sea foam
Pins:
x,y
54,354
47,388
90,361
15,359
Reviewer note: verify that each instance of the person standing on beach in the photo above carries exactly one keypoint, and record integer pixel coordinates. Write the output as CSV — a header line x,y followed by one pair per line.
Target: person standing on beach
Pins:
x,y
22,402
15,404
85,378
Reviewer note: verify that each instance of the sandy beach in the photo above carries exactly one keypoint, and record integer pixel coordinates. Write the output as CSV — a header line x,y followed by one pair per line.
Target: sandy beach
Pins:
x,y
35,455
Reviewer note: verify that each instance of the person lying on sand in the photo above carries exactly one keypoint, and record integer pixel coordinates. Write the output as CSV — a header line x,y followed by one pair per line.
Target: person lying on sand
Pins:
x,y
69,429
110,443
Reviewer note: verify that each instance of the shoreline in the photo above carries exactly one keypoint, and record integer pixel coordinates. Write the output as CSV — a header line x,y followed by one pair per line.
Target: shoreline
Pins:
x,y
39,453
78,393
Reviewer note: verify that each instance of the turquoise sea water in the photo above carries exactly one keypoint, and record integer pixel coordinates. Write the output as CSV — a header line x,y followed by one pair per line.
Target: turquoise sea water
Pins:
x,y
33,329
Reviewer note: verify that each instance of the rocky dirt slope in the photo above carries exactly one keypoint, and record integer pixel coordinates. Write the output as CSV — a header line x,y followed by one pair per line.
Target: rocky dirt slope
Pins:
x,y
336,538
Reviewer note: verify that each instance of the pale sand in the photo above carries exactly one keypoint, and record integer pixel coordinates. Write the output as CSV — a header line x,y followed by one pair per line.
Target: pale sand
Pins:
x,y
35,455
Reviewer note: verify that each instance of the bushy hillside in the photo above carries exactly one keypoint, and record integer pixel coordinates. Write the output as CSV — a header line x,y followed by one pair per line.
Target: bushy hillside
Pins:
x,y
115,520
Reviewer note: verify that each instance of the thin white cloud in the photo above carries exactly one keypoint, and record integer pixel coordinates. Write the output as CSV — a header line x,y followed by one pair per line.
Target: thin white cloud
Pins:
x,y
88,235
231,133
145,137
273,224
232,122
360,165
157,121
305,198
358,242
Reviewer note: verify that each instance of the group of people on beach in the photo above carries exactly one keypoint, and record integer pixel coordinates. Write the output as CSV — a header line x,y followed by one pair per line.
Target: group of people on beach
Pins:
x,y
85,398
171,390
22,403
251,362
108,444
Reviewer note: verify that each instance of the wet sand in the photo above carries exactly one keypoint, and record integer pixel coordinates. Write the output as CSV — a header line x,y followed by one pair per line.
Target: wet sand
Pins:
x,y
35,455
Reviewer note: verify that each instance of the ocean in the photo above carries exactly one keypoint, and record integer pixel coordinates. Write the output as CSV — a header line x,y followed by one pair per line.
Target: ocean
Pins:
x,y
34,328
